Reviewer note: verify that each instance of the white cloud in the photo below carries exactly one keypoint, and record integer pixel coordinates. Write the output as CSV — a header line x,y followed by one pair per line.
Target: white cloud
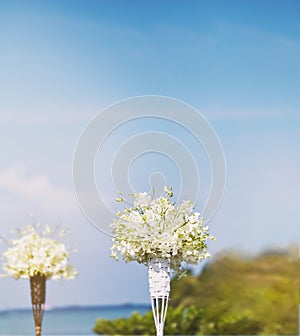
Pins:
x,y
63,115
35,188
221,113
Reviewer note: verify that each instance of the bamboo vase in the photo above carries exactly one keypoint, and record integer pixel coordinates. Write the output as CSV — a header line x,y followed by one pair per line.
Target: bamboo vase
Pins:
x,y
38,296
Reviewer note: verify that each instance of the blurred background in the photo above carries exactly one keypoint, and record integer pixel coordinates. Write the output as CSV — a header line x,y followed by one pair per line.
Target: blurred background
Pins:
x,y
61,62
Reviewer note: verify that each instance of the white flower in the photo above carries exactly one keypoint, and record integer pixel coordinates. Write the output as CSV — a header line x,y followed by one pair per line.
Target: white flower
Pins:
x,y
142,200
156,227
37,252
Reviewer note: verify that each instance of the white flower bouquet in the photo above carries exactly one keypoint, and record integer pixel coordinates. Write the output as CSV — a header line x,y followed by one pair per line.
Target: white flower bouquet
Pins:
x,y
37,252
157,228
163,236
37,256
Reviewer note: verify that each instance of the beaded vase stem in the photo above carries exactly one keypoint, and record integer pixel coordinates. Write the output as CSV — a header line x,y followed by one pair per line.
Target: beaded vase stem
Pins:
x,y
38,296
159,288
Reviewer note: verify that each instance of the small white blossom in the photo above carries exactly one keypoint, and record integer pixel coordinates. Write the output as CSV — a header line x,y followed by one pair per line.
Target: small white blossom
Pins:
x,y
142,200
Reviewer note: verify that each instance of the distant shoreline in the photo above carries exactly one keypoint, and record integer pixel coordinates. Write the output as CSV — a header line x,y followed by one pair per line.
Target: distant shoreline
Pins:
x,y
79,307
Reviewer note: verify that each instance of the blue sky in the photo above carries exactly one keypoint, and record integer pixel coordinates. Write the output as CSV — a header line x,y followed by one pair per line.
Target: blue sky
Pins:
x,y
61,62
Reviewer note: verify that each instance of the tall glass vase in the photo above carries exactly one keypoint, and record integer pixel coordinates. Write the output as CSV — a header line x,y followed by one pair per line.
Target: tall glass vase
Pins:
x,y
38,297
159,288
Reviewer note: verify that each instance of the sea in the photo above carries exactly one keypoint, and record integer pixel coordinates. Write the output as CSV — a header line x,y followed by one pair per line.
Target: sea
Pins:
x,y
63,321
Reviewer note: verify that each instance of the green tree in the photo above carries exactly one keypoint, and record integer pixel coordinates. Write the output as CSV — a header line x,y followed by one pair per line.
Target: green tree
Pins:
x,y
179,321
233,295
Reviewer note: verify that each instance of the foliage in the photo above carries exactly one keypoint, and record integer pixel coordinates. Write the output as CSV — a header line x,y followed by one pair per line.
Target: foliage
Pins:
x,y
180,321
34,252
233,295
157,228
232,324
258,293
